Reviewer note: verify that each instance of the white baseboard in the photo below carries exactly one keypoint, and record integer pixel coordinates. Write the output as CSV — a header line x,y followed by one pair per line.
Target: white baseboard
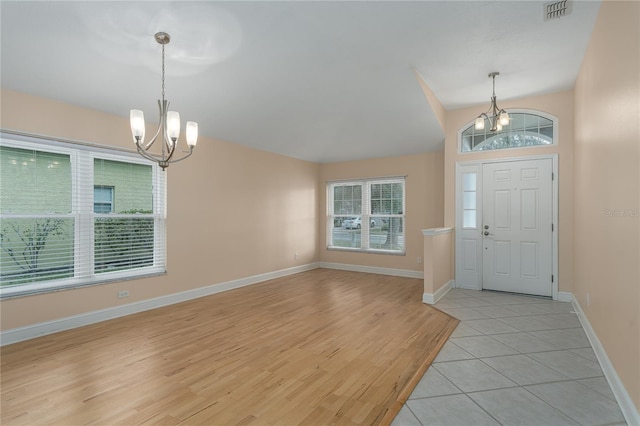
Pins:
x,y
372,270
564,296
42,329
629,411
432,298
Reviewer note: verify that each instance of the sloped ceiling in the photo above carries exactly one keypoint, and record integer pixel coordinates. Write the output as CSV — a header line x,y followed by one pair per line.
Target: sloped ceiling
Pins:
x,y
320,81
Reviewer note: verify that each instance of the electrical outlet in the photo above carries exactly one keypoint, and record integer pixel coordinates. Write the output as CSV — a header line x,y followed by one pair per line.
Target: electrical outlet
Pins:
x,y
123,293
419,259
295,256
588,300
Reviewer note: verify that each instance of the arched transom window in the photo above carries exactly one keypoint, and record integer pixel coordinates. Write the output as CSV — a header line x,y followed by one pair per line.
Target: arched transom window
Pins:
x,y
525,129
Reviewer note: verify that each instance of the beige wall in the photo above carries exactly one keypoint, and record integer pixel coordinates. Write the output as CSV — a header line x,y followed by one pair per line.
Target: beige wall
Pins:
x,y
233,212
443,260
438,261
423,193
607,188
561,106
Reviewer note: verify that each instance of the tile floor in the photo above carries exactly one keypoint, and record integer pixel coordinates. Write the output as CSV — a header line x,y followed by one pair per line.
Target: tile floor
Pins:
x,y
513,360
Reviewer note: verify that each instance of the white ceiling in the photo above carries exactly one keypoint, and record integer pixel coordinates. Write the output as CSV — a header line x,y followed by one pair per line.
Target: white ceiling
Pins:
x,y
321,81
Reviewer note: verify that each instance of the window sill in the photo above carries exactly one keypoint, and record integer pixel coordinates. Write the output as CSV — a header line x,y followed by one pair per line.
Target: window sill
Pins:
x,y
370,251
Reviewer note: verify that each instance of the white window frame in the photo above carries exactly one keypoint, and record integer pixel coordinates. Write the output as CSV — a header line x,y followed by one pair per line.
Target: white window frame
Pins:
x,y
365,214
82,157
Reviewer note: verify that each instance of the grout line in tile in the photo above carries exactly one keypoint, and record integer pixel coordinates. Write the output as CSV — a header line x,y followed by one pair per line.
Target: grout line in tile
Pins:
x,y
482,408
609,397
414,414
546,403
526,354
560,372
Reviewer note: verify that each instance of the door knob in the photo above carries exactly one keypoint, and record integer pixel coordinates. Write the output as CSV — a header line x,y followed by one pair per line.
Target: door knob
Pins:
x,y
486,227
486,233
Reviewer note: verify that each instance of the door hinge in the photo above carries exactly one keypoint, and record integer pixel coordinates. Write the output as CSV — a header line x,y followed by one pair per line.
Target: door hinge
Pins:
x,y
552,228
553,176
552,278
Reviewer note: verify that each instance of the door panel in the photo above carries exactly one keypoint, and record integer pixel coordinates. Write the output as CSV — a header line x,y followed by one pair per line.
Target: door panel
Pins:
x,y
469,255
502,211
517,219
529,266
502,258
529,210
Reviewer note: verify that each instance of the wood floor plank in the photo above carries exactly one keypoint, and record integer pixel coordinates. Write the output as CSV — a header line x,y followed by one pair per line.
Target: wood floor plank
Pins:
x,y
320,347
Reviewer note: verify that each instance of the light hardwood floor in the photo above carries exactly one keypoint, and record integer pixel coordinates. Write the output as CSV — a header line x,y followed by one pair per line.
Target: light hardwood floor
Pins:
x,y
320,347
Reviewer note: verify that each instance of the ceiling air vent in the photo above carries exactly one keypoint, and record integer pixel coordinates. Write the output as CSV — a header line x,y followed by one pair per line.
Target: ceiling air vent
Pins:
x,y
557,9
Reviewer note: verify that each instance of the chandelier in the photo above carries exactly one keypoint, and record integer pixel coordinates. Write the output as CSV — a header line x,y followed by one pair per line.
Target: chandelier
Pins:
x,y
168,128
496,117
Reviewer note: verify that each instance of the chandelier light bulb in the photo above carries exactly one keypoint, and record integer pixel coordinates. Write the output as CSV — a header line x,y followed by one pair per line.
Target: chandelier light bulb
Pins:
x,y
137,125
192,133
504,118
480,123
173,125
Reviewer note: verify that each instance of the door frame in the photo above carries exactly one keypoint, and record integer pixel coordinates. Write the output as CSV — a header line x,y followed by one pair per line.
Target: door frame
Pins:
x,y
473,281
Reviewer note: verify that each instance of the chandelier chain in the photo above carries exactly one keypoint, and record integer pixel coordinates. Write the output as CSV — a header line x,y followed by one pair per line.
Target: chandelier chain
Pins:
x,y
163,72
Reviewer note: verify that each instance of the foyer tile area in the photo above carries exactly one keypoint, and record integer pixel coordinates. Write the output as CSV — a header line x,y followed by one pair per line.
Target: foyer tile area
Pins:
x,y
513,360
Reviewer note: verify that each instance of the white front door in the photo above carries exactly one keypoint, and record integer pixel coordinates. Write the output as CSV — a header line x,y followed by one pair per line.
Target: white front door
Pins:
x,y
517,220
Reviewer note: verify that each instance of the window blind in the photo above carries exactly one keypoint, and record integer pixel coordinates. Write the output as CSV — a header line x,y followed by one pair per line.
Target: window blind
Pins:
x,y
55,229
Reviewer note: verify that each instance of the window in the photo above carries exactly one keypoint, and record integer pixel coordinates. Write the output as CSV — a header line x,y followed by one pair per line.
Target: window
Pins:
x,y
37,223
74,215
123,240
525,129
102,199
366,215
469,200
